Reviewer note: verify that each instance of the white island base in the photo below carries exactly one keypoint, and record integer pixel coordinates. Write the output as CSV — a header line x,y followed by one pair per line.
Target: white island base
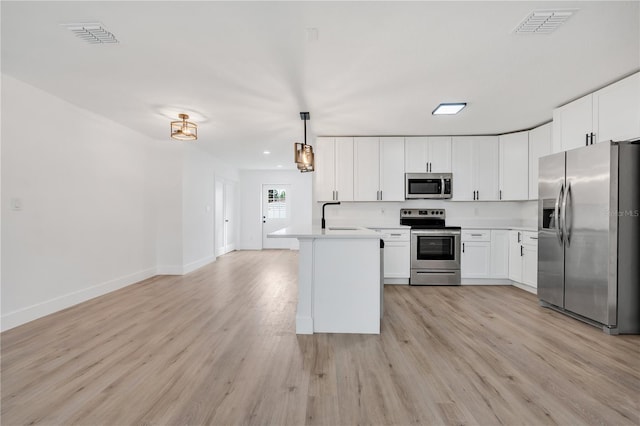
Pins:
x,y
339,281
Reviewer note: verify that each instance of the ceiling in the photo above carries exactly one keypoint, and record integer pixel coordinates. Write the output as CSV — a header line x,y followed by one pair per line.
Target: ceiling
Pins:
x,y
244,70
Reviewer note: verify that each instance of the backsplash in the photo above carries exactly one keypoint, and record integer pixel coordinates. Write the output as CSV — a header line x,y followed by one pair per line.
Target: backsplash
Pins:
x,y
459,213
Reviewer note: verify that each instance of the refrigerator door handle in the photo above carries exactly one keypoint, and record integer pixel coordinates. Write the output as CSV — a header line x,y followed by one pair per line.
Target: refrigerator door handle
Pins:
x,y
565,230
556,215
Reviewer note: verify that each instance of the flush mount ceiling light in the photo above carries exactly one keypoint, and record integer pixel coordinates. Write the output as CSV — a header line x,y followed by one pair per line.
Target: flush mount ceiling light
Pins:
x,y
92,33
304,153
184,130
449,109
544,21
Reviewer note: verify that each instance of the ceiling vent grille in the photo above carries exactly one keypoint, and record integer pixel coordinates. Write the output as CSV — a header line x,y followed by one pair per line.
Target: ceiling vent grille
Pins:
x,y
93,33
543,21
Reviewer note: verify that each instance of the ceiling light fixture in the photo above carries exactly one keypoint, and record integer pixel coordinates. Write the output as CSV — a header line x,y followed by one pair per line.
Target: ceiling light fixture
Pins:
x,y
184,130
266,152
304,153
449,109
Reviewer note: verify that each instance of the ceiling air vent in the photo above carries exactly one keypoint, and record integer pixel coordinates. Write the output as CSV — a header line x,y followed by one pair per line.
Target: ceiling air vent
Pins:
x,y
543,21
93,33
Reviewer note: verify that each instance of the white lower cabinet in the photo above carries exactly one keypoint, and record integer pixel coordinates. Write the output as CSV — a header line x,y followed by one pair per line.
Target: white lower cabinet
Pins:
x,y
523,257
397,255
500,253
475,256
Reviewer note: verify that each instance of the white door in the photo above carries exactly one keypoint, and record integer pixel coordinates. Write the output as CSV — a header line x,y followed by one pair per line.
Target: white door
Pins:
x,y
530,265
219,219
499,253
224,217
617,110
229,216
276,214
576,122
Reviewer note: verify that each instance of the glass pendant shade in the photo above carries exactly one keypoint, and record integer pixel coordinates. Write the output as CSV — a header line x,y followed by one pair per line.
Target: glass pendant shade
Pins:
x,y
184,130
304,153
304,157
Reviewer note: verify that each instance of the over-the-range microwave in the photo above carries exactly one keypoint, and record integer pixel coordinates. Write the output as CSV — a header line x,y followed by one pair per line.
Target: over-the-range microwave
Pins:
x,y
427,185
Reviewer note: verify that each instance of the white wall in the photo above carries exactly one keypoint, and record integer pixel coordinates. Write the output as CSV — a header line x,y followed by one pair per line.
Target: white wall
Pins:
x,y
200,169
87,223
103,205
251,182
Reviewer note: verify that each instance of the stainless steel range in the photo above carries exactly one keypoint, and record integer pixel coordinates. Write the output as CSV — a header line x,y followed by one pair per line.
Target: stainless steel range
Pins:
x,y
435,248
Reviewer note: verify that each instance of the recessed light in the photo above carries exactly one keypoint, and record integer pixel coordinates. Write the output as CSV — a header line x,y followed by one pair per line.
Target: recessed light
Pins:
x,y
279,166
266,152
449,109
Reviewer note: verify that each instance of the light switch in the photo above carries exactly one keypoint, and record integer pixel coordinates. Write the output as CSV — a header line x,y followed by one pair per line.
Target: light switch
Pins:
x,y
16,204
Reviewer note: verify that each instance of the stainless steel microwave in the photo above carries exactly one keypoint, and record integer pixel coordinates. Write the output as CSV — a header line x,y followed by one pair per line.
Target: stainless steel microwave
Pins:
x,y
427,185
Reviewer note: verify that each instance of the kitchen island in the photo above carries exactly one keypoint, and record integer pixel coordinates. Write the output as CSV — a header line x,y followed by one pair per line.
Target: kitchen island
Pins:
x,y
339,279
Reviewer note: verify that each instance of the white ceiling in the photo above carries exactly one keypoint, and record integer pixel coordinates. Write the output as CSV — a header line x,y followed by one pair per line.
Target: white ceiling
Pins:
x,y
245,70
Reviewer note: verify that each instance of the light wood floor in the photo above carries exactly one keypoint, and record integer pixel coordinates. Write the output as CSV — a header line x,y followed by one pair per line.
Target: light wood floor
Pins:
x,y
218,346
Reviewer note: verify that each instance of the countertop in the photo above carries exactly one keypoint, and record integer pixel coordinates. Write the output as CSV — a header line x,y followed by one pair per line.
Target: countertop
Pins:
x,y
337,232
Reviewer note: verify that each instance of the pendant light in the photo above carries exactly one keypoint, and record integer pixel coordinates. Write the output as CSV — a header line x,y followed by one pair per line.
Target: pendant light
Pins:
x,y
184,130
304,153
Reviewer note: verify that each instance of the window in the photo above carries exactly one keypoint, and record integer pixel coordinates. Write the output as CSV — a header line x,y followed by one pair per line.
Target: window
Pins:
x,y
277,204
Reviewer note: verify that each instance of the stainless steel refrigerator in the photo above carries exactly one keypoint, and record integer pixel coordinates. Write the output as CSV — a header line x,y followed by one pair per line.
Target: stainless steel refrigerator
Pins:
x,y
589,234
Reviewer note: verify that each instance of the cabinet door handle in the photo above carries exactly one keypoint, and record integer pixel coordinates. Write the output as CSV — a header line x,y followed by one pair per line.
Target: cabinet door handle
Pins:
x,y
381,195
477,195
474,195
519,239
500,196
586,139
476,235
521,251
395,235
593,137
463,247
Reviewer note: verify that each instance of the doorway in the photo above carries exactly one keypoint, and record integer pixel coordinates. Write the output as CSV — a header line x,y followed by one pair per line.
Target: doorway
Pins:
x,y
224,217
276,214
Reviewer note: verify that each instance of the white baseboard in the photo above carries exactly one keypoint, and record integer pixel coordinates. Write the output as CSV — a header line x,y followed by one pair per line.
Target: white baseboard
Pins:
x,y
525,287
304,325
169,270
485,281
396,281
38,310
190,267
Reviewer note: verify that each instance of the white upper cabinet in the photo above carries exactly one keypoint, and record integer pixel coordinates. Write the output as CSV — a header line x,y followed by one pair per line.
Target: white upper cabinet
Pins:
x,y
333,175
325,172
392,168
366,165
428,154
344,169
514,166
539,146
378,169
611,113
573,124
617,110
475,164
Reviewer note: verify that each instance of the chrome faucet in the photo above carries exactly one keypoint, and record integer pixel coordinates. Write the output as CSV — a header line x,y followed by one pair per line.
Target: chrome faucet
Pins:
x,y
323,206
